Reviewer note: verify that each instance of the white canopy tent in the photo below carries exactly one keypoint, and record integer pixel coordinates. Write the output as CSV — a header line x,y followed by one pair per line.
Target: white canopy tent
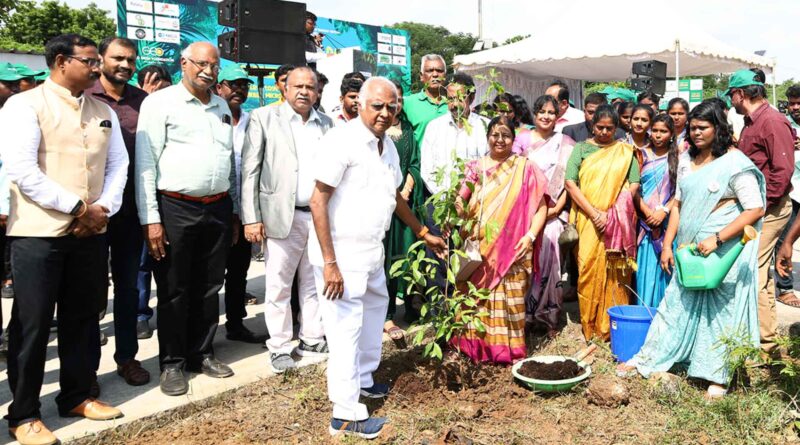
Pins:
x,y
583,54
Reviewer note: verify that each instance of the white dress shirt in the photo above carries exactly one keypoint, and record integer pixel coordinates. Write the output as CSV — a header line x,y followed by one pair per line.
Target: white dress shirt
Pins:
x,y
364,198
20,152
306,137
442,140
570,117
239,132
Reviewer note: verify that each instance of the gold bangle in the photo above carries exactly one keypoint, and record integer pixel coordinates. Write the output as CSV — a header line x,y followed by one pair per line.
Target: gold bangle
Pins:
x,y
423,231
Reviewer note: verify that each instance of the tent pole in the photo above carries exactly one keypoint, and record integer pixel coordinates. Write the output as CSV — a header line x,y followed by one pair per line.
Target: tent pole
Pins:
x,y
678,65
774,87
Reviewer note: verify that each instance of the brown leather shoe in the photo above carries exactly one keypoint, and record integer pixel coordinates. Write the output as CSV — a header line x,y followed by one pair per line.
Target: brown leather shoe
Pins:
x,y
94,410
133,373
33,433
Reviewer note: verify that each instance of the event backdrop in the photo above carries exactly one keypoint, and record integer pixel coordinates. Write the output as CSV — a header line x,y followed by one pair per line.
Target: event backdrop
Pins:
x,y
162,28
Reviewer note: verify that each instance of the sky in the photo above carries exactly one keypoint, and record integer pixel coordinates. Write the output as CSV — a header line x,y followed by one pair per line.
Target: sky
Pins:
x,y
771,25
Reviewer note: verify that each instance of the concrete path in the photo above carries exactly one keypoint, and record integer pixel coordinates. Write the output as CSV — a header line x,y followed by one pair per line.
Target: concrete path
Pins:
x,y
250,362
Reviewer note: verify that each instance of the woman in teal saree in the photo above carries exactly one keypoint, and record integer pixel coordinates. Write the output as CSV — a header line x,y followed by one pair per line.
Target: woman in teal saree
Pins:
x,y
719,192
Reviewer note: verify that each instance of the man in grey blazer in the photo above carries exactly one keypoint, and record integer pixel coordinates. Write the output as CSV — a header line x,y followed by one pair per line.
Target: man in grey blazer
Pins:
x,y
277,182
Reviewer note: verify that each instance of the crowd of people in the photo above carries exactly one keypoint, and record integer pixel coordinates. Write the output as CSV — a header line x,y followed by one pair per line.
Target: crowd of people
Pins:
x,y
181,182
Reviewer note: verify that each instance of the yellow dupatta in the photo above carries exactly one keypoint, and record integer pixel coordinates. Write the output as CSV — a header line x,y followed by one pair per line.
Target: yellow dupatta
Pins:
x,y
602,176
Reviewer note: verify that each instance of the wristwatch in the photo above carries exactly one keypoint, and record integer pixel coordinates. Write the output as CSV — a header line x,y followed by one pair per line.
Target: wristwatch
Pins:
x,y
77,209
719,241
664,208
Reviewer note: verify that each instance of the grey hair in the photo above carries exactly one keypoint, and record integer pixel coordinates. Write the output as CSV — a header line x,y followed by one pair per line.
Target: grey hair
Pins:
x,y
432,57
362,93
187,52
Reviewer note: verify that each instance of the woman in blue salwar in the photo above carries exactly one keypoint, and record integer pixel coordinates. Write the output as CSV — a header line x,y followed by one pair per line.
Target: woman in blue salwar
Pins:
x,y
719,192
659,170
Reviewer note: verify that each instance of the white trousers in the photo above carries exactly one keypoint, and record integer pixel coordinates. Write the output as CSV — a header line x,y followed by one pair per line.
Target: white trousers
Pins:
x,y
282,257
354,328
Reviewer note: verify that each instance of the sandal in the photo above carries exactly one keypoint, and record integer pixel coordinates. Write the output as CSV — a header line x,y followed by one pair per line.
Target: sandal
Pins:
x,y
397,335
789,299
625,370
715,392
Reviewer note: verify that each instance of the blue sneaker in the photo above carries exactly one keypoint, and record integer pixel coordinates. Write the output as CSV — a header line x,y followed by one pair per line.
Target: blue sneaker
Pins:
x,y
369,428
376,391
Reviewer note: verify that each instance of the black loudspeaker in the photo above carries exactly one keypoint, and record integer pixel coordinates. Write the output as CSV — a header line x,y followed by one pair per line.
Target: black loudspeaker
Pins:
x,y
263,47
266,15
651,68
658,86
265,31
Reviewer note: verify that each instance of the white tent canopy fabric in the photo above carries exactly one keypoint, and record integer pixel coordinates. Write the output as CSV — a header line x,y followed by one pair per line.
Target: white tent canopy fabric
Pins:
x,y
591,56
585,54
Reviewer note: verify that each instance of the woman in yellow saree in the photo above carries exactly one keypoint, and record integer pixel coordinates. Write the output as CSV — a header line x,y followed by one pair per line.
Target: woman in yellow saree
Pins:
x,y
602,177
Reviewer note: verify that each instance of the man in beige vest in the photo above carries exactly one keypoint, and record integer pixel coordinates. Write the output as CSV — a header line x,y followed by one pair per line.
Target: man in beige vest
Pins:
x,y
67,164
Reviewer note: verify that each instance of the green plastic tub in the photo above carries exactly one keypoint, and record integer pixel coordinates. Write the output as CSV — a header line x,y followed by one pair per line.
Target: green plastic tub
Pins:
x,y
550,385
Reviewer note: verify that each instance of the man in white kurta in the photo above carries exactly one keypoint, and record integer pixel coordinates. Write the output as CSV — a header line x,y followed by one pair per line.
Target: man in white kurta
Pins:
x,y
357,174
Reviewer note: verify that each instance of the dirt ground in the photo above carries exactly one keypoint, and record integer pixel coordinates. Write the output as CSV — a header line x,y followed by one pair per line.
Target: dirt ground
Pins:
x,y
458,403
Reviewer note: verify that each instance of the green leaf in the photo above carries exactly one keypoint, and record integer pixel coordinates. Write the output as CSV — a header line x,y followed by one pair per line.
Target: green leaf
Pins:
x,y
419,337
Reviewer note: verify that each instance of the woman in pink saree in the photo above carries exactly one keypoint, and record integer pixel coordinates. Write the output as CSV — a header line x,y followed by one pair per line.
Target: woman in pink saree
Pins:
x,y
506,193
550,151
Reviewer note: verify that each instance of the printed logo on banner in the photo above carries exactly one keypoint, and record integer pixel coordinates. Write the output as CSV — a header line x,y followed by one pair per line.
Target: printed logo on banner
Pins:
x,y
399,40
140,20
399,60
168,23
384,59
399,50
168,36
140,33
384,38
167,9
139,5
384,48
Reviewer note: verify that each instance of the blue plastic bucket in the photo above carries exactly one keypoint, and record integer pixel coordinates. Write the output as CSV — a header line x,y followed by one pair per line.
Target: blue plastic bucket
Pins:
x,y
629,325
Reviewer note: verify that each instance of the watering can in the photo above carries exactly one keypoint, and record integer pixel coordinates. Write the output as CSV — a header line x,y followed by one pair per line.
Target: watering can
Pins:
x,y
696,272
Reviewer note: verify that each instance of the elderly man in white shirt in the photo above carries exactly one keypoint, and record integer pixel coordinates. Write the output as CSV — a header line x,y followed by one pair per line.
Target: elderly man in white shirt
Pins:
x,y
357,175
460,133
278,162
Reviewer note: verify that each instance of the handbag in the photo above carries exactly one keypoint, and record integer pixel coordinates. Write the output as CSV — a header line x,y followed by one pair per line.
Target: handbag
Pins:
x,y
569,236
472,248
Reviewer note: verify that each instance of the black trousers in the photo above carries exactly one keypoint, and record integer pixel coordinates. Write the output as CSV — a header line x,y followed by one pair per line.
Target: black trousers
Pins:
x,y
125,242
236,281
68,271
190,277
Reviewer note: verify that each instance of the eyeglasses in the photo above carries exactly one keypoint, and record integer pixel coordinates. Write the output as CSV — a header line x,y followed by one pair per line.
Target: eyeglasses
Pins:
x,y
506,136
240,84
203,65
434,70
91,63
378,106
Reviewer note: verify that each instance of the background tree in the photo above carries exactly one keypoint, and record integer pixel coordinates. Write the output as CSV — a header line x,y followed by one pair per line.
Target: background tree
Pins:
x,y
29,25
430,39
515,39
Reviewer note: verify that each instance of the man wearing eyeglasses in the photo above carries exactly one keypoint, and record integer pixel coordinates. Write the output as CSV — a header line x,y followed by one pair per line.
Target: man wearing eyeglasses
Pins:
x,y
233,85
278,160
68,166
356,192
187,203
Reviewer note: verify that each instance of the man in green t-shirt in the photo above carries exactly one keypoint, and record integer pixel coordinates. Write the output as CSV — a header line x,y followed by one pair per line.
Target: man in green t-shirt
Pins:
x,y
430,103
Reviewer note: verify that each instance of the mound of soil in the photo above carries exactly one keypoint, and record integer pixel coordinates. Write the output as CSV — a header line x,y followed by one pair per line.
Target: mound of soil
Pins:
x,y
563,370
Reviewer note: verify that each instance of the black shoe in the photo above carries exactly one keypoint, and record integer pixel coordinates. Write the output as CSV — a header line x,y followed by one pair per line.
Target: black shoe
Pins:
x,y
245,335
103,339
143,330
7,291
173,383
212,367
